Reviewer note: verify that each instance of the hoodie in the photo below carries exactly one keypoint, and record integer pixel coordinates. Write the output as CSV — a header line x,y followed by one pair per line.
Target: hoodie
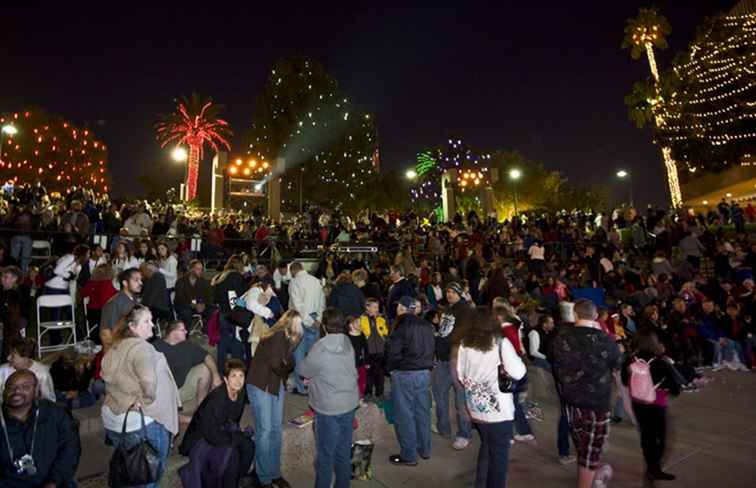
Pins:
x,y
330,366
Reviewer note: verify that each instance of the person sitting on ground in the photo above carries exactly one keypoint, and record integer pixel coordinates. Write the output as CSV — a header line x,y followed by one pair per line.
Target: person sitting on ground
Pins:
x,y
120,304
42,446
194,295
193,368
22,352
334,396
155,291
214,430
72,375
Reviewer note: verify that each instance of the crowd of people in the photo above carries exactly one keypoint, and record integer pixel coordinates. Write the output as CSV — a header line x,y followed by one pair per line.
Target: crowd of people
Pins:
x,y
468,313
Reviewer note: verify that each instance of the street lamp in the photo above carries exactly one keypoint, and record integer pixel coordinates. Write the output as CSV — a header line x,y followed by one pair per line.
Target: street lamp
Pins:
x,y
514,175
622,174
179,154
7,129
410,174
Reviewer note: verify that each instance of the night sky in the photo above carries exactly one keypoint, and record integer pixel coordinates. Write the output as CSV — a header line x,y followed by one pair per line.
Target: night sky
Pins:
x,y
548,81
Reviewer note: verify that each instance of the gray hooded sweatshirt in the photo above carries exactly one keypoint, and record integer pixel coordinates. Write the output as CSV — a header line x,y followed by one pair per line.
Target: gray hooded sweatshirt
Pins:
x,y
330,366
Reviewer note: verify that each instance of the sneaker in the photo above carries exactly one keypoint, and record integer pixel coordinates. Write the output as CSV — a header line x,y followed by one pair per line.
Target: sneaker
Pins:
x,y
660,475
603,476
524,438
717,367
397,459
568,459
460,443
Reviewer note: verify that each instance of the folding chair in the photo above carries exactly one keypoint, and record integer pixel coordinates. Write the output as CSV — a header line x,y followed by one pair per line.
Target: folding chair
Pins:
x,y
90,327
198,325
60,302
41,251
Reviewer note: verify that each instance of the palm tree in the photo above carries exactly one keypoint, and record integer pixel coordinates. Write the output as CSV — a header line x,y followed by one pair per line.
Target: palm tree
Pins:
x,y
194,123
646,31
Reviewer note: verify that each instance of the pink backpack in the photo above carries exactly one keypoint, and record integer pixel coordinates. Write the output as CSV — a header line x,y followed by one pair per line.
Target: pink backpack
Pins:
x,y
642,388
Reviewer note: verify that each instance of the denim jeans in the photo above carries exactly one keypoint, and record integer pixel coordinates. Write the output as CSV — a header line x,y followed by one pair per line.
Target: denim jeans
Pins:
x,y
228,344
412,404
442,382
21,248
333,441
493,456
156,434
310,337
521,422
267,410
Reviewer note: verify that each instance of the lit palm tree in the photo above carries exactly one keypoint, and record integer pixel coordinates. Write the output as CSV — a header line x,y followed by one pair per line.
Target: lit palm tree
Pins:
x,y
646,31
194,123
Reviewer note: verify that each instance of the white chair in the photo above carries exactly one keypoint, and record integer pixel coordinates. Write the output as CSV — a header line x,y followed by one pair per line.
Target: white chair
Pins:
x,y
41,250
60,302
90,327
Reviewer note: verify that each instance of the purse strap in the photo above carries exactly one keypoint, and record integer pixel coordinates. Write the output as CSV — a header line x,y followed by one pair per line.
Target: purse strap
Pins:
x,y
143,430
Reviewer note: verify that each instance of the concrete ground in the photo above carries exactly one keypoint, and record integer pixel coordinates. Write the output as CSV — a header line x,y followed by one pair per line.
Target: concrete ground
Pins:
x,y
711,442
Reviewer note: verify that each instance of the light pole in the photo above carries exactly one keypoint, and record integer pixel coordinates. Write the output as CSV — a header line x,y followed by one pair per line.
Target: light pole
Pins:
x,y
180,155
7,129
514,175
622,174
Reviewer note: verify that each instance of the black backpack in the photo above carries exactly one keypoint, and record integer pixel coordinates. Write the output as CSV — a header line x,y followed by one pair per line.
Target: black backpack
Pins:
x,y
47,270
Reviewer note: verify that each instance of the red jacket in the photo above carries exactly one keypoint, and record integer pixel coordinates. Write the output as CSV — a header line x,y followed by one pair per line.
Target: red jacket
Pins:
x,y
99,292
511,333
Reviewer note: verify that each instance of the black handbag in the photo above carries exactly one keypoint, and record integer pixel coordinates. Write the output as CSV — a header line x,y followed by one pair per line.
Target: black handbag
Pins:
x,y
137,465
507,384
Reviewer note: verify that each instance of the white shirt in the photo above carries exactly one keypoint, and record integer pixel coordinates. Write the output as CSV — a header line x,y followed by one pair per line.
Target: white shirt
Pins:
x,y
41,371
66,269
534,343
114,422
169,268
478,373
606,264
536,252
306,297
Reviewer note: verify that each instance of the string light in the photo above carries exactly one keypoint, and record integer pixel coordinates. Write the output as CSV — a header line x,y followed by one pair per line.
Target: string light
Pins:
x,y
31,156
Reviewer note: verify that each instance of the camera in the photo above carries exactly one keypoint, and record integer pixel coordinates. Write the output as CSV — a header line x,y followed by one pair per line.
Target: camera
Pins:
x,y
25,465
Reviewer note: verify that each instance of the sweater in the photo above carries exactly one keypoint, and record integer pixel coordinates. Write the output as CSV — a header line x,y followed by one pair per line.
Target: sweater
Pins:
x,y
134,371
271,364
478,373
330,365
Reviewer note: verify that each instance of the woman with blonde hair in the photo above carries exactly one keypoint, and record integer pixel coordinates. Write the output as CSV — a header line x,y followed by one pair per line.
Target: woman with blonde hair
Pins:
x,y
137,377
266,385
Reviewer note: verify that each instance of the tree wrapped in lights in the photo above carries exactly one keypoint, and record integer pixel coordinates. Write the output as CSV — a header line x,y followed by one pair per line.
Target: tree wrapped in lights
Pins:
x,y
642,34
330,147
54,151
454,154
194,123
711,117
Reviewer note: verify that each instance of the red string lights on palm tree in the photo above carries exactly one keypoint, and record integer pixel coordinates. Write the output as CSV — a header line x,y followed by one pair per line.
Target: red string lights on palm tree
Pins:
x,y
194,123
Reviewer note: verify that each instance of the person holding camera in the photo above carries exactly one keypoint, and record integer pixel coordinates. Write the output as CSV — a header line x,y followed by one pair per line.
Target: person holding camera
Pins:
x,y
40,445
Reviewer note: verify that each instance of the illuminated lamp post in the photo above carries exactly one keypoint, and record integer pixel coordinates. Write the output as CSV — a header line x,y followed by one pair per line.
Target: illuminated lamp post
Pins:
x,y
514,175
7,129
622,174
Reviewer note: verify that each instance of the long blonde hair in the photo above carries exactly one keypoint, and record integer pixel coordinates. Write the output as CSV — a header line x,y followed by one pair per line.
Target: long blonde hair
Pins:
x,y
287,324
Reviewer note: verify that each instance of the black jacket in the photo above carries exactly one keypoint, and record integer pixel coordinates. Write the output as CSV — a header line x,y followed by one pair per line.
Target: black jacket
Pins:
x,y
216,420
57,448
450,319
347,298
411,345
233,281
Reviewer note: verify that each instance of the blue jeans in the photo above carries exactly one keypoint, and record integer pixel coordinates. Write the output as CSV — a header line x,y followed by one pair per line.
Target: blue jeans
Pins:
x,y
156,434
412,404
267,410
21,248
310,337
521,422
333,441
228,344
441,383
493,456
563,432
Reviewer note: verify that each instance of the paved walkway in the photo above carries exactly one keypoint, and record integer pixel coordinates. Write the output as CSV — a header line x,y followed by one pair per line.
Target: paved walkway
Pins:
x,y
712,443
